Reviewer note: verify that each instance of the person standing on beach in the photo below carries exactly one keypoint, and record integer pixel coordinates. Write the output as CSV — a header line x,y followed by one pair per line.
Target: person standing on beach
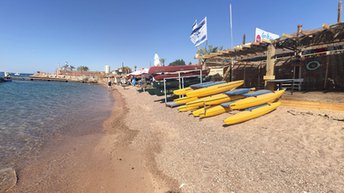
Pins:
x,y
109,83
133,82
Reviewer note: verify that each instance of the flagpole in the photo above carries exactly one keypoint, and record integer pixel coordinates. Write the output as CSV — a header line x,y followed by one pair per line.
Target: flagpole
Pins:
x,y
206,23
231,23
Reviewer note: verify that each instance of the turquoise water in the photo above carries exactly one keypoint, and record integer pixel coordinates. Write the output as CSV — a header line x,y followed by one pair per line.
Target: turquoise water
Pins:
x,y
32,112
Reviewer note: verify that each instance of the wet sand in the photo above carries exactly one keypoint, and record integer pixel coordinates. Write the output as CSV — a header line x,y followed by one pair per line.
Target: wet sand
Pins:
x,y
102,160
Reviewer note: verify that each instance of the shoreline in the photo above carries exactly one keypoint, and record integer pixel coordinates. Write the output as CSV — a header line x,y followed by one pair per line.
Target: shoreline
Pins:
x,y
98,161
145,146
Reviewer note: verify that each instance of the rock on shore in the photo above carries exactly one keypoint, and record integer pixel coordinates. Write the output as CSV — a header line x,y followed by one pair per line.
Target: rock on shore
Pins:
x,y
8,179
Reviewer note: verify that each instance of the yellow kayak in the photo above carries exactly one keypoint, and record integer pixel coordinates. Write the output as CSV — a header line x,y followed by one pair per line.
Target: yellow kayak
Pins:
x,y
209,112
182,91
214,100
216,89
185,108
251,114
240,104
184,100
257,100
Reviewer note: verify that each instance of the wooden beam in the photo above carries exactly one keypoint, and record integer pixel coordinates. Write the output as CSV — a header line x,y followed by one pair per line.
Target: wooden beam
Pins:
x,y
270,67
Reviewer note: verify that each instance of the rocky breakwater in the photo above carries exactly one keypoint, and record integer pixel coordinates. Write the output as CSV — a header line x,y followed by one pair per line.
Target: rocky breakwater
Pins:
x,y
73,76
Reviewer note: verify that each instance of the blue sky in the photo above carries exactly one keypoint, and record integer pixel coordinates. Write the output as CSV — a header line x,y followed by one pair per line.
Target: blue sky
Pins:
x,y
43,34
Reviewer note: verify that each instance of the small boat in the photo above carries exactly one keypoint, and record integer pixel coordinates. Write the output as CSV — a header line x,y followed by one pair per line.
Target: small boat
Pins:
x,y
184,100
7,79
182,91
163,69
206,84
185,108
256,100
176,75
216,89
174,84
251,113
240,104
220,98
158,92
196,86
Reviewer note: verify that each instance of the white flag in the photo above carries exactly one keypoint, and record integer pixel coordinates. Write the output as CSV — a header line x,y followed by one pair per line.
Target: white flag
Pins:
x,y
261,35
199,32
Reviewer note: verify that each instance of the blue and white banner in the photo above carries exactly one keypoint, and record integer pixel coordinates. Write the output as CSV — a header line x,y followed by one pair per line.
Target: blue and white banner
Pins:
x,y
261,35
199,32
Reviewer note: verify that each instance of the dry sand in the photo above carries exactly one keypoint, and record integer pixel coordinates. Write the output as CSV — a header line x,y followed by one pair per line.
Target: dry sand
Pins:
x,y
288,150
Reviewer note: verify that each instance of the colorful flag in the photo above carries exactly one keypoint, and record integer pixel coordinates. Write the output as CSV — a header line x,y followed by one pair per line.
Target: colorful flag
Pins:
x,y
261,35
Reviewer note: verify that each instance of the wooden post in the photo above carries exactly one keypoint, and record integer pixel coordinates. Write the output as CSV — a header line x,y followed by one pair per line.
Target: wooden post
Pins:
x,y
326,71
259,70
299,30
270,67
231,70
339,18
245,75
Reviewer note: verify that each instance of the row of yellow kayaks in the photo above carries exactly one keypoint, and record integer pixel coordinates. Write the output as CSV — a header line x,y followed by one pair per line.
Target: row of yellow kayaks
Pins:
x,y
238,104
216,99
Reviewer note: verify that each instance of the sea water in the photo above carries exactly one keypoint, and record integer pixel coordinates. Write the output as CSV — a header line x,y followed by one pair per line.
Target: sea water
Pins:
x,y
32,112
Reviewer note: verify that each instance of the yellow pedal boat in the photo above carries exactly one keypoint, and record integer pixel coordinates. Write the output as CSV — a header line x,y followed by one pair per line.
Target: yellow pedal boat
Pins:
x,y
251,114
239,104
216,89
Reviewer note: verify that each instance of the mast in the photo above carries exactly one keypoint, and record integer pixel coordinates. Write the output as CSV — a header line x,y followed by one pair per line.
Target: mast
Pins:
x,y
339,18
231,23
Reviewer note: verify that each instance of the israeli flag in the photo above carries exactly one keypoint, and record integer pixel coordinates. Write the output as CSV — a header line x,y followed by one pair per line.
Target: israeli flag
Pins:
x,y
199,32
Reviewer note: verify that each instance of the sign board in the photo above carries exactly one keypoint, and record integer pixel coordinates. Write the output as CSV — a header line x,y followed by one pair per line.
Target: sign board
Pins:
x,y
261,35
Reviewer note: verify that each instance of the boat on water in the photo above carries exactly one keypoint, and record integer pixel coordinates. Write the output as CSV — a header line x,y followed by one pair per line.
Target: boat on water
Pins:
x,y
5,77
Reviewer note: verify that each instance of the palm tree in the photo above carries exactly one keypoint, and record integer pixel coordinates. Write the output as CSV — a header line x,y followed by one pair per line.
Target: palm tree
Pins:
x,y
162,61
82,68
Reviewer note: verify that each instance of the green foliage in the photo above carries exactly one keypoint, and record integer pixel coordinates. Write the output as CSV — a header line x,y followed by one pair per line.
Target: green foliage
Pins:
x,y
67,67
179,62
162,61
123,70
208,50
82,68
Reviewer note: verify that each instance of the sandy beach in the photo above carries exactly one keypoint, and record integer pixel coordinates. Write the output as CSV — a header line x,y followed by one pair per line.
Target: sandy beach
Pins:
x,y
289,150
147,147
